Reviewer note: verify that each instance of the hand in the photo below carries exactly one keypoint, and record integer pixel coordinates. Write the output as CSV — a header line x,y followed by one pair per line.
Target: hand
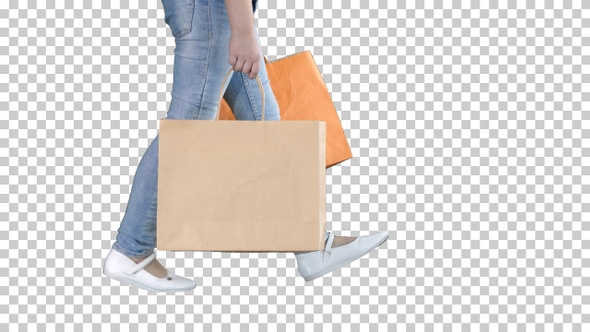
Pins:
x,y
244,53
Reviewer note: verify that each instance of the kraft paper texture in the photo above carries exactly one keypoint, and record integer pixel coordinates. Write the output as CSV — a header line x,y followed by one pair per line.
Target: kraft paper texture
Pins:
x,y
237,186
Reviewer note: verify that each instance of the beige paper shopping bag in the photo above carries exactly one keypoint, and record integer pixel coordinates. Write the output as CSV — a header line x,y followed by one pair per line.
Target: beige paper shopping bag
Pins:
x,y
241,185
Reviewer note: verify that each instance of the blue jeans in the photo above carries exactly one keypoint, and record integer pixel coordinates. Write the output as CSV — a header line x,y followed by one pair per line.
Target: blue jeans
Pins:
x,y
201,31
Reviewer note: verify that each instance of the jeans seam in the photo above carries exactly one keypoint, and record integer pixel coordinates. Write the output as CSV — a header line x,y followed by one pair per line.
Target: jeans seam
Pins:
x,y
207,61
249,93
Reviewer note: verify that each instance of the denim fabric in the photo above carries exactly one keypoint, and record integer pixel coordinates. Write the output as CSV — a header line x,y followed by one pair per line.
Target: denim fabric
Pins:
x,y
201,31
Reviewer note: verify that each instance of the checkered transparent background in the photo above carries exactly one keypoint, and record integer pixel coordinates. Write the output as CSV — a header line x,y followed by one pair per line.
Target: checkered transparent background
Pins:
x,y
468,122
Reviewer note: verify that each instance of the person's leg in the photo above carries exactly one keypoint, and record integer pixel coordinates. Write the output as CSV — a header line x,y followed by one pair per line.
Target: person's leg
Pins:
x,y
200,64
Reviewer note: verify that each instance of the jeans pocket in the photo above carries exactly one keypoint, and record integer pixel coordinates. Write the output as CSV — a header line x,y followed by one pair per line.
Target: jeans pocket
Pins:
x,y
178,15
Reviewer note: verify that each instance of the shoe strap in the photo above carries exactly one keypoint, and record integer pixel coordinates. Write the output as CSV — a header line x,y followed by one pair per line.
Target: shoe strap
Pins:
x,y
142,264
328,249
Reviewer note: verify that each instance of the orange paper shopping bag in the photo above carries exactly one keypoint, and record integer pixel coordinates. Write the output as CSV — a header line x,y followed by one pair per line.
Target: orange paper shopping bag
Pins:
x,y
302,94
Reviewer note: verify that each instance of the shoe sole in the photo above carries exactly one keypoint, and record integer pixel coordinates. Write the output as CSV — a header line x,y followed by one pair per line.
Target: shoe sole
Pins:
x,y
347,262
138,285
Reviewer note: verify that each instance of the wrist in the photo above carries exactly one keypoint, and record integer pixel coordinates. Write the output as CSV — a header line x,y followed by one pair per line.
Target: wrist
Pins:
x,y
242,26
243,31
240,15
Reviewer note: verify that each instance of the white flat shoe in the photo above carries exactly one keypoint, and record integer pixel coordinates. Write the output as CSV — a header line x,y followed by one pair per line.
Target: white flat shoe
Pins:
x,y
125,270
314,264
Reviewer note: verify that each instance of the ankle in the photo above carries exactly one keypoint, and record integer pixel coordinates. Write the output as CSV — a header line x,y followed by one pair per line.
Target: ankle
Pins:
x,y
138,259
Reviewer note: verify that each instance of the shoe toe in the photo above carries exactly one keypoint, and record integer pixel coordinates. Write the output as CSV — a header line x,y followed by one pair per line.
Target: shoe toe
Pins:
x,y
372,241
179,283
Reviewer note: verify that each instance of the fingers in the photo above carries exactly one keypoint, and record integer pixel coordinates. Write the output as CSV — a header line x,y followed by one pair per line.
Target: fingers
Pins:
x,y
248,67
239,65
232,59
251,68
244,54
255,70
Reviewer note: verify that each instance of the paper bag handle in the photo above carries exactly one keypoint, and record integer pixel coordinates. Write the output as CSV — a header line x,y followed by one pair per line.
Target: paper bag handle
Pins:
x,y
221,94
